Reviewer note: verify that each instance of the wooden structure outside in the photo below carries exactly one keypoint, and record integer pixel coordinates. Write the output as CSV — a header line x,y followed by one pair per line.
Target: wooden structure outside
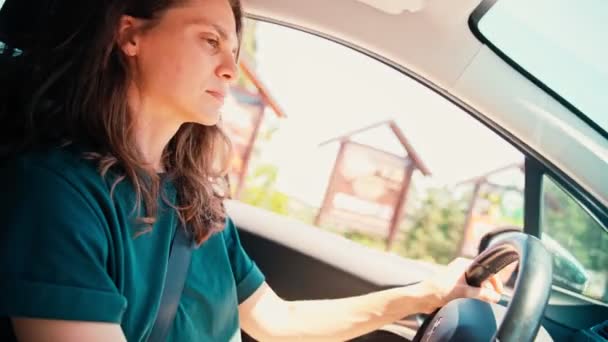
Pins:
x,y
243,127
369,186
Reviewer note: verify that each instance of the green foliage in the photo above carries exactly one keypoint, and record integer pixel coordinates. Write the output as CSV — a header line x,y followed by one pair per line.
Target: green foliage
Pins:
x,y
260,190
572,227
436,229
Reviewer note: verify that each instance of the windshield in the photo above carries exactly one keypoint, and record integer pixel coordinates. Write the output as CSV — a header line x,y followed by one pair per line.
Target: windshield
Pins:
x,y
560,43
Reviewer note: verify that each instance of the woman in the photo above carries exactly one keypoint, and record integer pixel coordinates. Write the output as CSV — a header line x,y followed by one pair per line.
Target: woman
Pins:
x,y
116,146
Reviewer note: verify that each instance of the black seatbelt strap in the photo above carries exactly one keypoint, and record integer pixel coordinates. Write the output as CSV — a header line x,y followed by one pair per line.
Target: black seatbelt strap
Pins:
x,y
177,272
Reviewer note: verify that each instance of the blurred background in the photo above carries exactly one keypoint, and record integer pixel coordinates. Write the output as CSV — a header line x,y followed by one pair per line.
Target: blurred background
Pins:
x,y
340,141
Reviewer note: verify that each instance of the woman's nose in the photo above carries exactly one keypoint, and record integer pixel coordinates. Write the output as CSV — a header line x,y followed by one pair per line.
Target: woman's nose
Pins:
x,y
228,69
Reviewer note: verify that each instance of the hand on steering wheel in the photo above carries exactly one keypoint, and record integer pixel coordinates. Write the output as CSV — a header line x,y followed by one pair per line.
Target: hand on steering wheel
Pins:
x,y
471,320
451,284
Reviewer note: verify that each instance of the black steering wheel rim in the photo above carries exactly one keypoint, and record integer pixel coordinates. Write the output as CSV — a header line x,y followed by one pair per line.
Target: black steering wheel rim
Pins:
x,y
523,316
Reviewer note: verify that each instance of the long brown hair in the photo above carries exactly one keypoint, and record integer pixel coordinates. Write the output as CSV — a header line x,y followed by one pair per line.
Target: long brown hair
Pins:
x,y
71,86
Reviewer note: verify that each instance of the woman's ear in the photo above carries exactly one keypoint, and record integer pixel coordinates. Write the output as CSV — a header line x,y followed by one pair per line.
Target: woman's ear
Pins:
x,y
128,35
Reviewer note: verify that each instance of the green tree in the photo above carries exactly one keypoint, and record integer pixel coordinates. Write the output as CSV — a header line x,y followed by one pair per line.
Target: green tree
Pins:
x,y
436,228
573,228
260,191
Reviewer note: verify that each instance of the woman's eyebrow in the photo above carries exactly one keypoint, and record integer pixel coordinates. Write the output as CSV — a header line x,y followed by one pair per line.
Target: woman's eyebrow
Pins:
x,y
220,30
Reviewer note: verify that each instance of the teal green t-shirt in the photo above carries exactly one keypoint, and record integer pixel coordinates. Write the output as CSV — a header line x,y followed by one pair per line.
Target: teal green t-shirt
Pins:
x,y
69,251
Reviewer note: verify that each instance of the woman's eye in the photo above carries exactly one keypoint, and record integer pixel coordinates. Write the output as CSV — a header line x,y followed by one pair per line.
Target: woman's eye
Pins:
x,y
214,43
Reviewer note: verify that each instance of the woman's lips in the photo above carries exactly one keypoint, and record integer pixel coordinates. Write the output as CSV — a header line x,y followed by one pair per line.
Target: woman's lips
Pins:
x,y
217,94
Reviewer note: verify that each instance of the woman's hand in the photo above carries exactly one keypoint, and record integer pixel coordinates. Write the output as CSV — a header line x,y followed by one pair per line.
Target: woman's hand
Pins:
x,y
451,284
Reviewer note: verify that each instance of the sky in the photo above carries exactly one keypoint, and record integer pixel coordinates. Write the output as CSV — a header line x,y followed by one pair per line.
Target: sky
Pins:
x,y
328,90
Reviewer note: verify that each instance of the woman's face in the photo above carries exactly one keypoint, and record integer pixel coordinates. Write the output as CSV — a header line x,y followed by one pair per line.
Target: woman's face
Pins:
x,y
184,64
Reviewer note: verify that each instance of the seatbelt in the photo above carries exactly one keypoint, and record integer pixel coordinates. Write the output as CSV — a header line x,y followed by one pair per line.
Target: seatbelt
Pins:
x,y
177,272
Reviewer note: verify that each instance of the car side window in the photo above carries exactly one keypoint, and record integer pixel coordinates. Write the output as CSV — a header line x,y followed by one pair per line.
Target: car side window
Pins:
x,y
366,152
578,241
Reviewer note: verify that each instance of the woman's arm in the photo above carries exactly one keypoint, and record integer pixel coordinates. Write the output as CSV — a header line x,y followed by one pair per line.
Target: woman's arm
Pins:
x,y
267,317
46,330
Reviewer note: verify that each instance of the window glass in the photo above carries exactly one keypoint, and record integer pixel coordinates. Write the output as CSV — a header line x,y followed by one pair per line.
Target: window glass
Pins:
x,y
559,42
352,146
578,241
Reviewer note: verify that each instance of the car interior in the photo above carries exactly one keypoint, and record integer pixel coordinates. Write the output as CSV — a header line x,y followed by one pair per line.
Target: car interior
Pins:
x,y
438,44
471,53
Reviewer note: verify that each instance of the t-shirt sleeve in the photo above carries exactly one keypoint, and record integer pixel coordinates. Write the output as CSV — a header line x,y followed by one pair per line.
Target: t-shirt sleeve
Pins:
x,y
53,250
247,275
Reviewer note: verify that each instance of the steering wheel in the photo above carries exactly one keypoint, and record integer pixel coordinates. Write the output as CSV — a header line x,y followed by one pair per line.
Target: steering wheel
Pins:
x,y
473,320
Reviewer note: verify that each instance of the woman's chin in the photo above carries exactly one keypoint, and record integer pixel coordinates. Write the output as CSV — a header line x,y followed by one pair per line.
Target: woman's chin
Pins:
x,y
206,119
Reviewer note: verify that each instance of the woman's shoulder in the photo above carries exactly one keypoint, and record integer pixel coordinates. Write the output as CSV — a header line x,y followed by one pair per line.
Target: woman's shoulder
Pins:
x,y
66,163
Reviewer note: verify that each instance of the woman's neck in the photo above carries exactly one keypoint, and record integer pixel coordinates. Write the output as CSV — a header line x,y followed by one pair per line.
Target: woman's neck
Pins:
x,y
151,139
153,129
